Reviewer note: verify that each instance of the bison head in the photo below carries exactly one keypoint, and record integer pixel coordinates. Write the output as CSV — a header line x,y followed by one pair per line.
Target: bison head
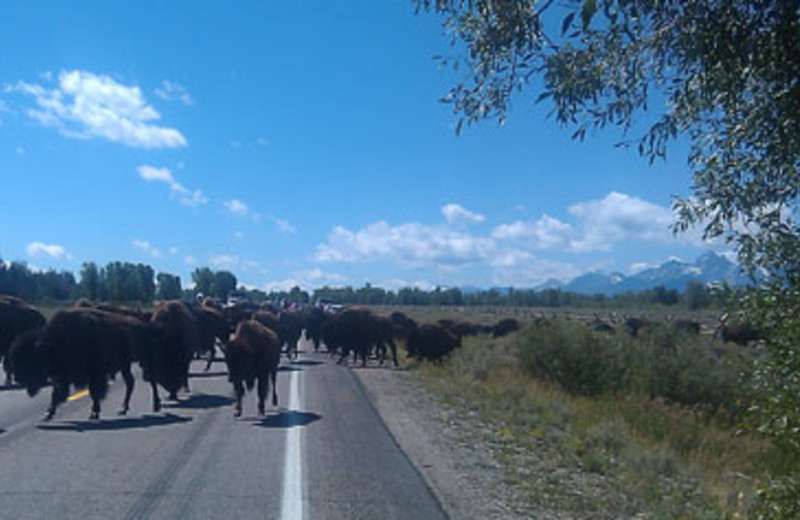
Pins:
x,y
27,360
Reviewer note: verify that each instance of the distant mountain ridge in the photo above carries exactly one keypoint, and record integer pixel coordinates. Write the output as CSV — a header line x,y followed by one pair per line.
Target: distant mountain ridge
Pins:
x,y
672,274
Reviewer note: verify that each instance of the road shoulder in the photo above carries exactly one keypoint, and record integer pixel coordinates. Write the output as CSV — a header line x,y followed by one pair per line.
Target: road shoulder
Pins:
x,y
448,450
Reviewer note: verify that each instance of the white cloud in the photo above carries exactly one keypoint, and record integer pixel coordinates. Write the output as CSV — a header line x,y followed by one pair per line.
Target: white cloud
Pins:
x,y
618,217
262,142
455,214
39,249
409,244
394,284
86,105
238,234
522,269
236,207
306,279
184,195
189,260
170,91
638,267
223,260
147,247
544,233
20,150
284,226
173,250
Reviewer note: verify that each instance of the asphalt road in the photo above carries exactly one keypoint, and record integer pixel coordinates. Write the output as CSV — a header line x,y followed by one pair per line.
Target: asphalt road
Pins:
x,y
323,453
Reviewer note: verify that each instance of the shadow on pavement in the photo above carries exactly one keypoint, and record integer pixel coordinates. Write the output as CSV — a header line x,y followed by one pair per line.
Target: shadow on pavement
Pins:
x,y
124,423
307,362
195,401
286,368
288,419
201,375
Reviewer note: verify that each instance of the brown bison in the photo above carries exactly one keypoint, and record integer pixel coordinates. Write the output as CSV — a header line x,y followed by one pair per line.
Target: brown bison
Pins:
x,y
431,342
16,317
178,334
80,348
252,357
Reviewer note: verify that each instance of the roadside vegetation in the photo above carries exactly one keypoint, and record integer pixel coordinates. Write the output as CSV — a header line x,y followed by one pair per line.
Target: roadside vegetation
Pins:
x,y
603,425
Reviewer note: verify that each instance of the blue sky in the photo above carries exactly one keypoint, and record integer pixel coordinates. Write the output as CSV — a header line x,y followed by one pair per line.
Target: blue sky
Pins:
x,y
299,142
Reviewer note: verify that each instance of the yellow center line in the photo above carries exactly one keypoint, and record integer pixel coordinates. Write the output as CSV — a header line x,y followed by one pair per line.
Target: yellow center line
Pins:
x,y
78,394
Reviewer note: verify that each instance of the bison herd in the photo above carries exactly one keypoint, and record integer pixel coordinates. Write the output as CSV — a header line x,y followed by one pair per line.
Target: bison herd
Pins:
x,y
88,345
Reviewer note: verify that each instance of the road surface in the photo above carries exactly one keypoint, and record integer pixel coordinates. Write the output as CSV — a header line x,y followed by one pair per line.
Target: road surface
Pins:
x,y
323,453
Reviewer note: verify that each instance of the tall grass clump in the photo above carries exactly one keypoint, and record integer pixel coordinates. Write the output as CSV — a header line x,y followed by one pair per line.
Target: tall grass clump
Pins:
x,y
663,363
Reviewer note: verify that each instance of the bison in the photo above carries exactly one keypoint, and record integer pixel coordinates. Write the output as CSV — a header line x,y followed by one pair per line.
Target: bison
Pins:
x,y
16,317
178,334
431,342
252,357
80,347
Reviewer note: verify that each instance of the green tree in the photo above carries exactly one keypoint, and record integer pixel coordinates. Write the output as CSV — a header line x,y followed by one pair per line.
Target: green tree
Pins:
x,y
168,286
90,281
224,282
203,279
725,74
696,295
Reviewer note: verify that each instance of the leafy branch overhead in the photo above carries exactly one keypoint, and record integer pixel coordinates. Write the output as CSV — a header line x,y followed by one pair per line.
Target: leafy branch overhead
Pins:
x,y
724,73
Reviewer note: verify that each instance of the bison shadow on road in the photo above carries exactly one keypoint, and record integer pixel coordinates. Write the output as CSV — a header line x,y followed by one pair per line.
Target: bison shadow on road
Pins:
x,y
197,401
307,362
199,375
287,419
124,423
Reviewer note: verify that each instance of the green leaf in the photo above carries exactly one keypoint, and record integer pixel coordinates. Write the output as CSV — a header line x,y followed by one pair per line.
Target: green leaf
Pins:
x,y
588,9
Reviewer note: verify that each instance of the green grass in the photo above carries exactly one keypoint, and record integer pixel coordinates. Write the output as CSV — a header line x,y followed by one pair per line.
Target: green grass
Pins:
x,y
615,452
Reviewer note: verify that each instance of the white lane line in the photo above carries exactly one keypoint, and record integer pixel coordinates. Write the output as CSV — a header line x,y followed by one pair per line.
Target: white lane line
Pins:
x,y
292,501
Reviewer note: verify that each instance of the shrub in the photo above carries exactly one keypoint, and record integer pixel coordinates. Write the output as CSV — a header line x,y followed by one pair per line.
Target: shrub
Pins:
x,y
665,363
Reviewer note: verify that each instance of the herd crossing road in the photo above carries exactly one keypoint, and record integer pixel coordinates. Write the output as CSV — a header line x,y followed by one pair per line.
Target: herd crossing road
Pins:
x,y
323,453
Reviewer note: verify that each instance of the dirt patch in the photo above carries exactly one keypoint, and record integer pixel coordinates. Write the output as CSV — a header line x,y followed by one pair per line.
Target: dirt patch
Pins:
x,y
452,449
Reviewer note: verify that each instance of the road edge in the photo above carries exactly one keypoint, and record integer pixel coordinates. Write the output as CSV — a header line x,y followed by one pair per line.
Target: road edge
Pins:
x,y
393,422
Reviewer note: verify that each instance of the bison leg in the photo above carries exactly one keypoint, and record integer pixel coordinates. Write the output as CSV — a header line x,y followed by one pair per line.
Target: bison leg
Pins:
x,y
274,376
263,387
393,349
156,398
129,383
210,359
59,395
238,388
97,391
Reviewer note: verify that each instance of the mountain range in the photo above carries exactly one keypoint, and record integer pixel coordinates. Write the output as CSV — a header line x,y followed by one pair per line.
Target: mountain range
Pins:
x,y
673,274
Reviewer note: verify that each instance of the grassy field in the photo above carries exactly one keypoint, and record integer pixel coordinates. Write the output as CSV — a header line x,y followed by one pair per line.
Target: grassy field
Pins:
x,y
623,451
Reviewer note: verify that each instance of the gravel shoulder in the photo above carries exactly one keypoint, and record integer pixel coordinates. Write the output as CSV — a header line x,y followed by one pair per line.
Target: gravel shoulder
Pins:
x,y
452,449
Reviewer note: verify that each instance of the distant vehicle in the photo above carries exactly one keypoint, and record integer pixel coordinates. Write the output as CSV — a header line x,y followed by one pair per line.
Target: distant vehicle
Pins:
x,y
235,297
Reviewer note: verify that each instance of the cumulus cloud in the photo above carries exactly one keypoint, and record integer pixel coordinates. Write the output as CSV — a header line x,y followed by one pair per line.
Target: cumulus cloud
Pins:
x,y
236,207
86,105
410,244
189,260
619,217
147,247
455,214
544,233
523,269
183,194
171,91
39,249
306,279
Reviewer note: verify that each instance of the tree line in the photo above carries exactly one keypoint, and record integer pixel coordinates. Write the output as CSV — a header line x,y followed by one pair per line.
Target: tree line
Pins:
x,y
139,283
117,281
